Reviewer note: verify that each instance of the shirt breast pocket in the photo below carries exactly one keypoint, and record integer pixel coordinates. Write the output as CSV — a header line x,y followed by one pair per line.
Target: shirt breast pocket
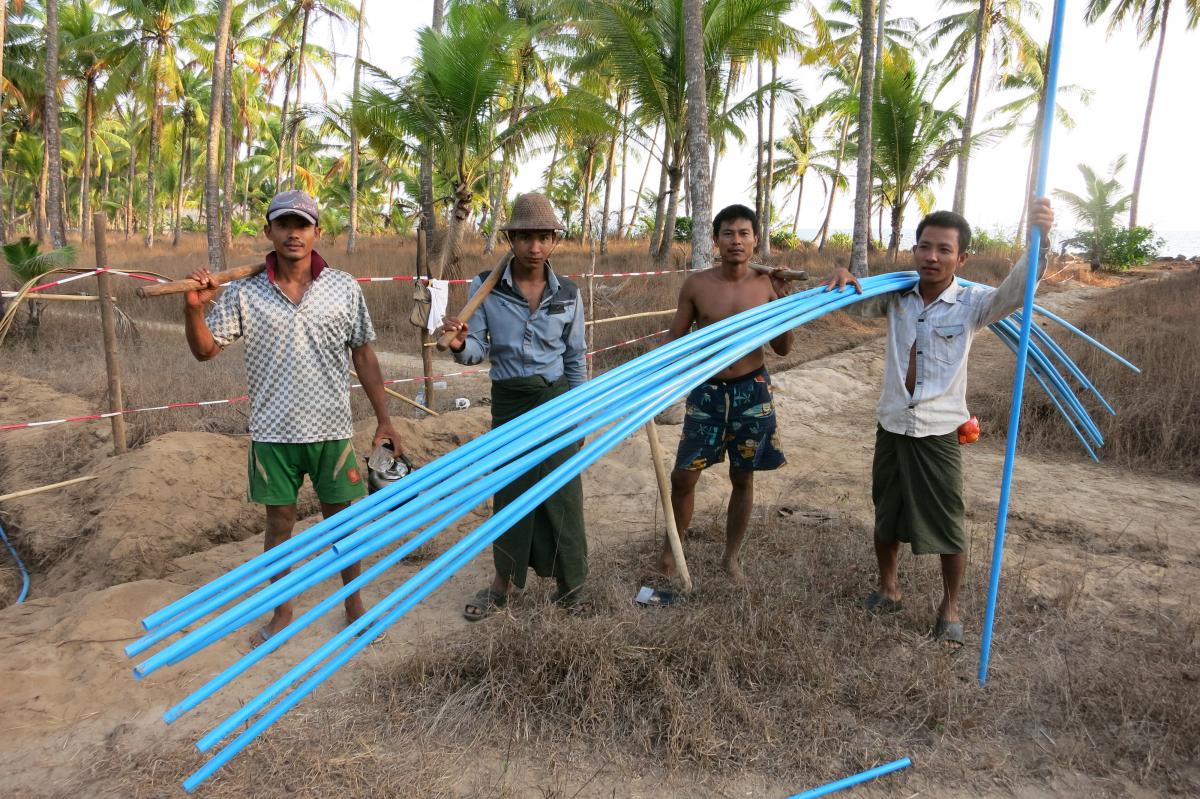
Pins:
x,y
949,343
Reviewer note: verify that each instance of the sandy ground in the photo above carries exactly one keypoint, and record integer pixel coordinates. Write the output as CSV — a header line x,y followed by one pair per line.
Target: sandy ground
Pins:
x,y
171,516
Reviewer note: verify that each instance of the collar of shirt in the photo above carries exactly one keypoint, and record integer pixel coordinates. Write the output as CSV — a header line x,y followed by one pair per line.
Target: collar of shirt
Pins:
x,y
552,283
950,295
318,265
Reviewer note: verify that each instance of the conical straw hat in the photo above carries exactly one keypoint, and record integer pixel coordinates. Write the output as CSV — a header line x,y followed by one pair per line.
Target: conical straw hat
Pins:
x,y
533,212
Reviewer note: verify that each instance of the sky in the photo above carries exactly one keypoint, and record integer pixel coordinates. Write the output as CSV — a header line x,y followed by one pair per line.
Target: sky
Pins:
x,y
1112,66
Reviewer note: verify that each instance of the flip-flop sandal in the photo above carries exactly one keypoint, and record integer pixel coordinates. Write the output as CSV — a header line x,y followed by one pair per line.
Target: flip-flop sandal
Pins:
x,y
878,604
573,601
260,637
948,632
484,604
379,639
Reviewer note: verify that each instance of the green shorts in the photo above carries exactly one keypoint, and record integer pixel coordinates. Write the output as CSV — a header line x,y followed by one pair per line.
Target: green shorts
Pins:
x,y
277,470
917,486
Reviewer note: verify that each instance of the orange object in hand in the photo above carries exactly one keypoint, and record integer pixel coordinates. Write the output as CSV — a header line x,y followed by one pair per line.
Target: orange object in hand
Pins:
x,y
968,431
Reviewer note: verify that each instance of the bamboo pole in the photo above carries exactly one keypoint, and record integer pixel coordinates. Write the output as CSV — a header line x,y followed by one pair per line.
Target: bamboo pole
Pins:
x,y
31,491
8,295
402,398
642,315
108,323
664,495
591,312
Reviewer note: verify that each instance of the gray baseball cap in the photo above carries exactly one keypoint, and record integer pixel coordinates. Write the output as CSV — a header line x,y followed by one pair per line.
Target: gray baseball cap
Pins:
x,y
293,202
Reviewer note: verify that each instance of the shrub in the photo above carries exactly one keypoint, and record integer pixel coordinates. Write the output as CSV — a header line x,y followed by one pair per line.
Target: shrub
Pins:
x,y
983,241
785,240
1121,248
683,228
842,240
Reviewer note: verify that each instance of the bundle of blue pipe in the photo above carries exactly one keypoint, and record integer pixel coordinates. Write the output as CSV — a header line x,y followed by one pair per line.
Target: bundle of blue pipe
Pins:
x,y
397,520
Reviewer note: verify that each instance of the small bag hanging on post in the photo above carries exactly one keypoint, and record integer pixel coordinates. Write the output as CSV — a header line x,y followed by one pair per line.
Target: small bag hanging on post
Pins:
x,y
422,301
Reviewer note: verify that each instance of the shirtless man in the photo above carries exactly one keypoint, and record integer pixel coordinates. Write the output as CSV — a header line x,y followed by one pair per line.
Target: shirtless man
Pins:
x,y
732,410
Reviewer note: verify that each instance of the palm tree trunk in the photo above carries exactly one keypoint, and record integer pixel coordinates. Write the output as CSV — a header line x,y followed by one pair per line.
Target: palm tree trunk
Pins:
x,y
152,150
764,244
862,187
717,145
295,148
184,159
212,171
39,202
585,188
624,174
50,128
283,124
428,218
230,150
3,141
637,202
1141,161
454,231
699,178
823,234
609,170
799,199
130,174
897,222
758,154
85,171
973,89
660,206
668,229
439,14
352,237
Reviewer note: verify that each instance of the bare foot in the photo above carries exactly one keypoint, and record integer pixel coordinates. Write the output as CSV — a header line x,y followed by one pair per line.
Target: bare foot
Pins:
x,y
734,570
666,564
354,608
280,619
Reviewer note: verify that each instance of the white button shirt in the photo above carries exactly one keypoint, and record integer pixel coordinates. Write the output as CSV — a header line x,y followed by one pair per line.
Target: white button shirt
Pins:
x,y
943,332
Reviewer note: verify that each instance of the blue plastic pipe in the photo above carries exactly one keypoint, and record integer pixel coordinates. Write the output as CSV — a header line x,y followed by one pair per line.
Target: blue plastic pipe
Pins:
x,y
849,782
256,570
1059,353
1014,418
301,579
24,592
1097,344
476,541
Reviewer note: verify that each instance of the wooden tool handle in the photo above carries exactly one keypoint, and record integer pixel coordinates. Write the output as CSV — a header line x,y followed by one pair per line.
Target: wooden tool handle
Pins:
x,y
220,278
472,305
782,274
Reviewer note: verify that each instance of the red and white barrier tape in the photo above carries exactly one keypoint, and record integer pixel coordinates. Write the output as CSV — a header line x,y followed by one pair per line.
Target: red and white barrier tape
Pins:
x,y
394,278
207,403
92,272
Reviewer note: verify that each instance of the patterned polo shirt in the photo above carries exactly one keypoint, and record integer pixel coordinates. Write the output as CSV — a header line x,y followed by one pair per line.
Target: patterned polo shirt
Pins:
x,y
297,354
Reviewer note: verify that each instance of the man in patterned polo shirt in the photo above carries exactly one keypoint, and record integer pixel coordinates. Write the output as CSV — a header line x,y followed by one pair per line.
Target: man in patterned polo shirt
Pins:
x,y
303,322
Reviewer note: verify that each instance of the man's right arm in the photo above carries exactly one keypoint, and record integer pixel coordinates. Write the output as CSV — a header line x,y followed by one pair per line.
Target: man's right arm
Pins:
x,y
200,338
685,313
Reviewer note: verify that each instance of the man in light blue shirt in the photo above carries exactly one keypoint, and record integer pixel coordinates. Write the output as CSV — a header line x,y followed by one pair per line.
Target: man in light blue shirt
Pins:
x,y
531,328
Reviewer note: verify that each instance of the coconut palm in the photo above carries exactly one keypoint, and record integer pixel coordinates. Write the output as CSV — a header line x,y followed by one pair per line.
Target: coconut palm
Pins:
x,y
862,187
1097,208
797,156
914,141
1151,17
51,134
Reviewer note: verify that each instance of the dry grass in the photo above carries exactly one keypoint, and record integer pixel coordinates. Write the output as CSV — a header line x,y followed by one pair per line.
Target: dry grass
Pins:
x,y
1157,427
788,679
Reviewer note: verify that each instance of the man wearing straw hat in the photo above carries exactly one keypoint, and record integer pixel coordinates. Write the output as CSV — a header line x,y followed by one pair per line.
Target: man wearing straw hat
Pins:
x,y
303,322
531,329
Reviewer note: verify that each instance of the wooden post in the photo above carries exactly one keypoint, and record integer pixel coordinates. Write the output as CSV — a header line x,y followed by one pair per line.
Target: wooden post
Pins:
x,y
591,312
426,338
108,323
664,494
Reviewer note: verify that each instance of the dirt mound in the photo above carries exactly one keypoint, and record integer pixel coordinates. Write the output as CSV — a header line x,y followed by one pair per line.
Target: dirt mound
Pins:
x,y
181,493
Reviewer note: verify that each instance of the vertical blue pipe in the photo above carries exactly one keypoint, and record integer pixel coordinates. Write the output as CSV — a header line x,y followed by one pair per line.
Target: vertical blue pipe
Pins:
x,y
1014,416
20,566
847,782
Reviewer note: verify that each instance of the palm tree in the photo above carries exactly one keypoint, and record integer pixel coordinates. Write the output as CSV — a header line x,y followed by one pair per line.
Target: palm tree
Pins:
x,y
51,134
969,32
3,136
352,237
212,171
1028,78
188,116
1151,18
451,100
862,188
914,141
797,155
1097,207
697,131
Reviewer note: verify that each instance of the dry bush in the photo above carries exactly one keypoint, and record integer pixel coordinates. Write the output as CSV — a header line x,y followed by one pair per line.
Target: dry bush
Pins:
x,y
791,679
1157,426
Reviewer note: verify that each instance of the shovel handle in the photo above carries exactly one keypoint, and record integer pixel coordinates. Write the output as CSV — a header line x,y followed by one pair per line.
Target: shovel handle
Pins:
x,y
187,284
443,342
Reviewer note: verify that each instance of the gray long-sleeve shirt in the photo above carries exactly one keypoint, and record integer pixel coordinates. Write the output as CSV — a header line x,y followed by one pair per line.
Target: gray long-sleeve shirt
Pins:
x,y
548,342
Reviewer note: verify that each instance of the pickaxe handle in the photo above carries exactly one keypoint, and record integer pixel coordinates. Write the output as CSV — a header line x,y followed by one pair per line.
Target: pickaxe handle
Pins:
x,y
220,278
472,305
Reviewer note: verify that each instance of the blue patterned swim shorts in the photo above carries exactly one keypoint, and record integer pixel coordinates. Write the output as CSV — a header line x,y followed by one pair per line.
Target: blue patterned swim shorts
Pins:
x,y
737,415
